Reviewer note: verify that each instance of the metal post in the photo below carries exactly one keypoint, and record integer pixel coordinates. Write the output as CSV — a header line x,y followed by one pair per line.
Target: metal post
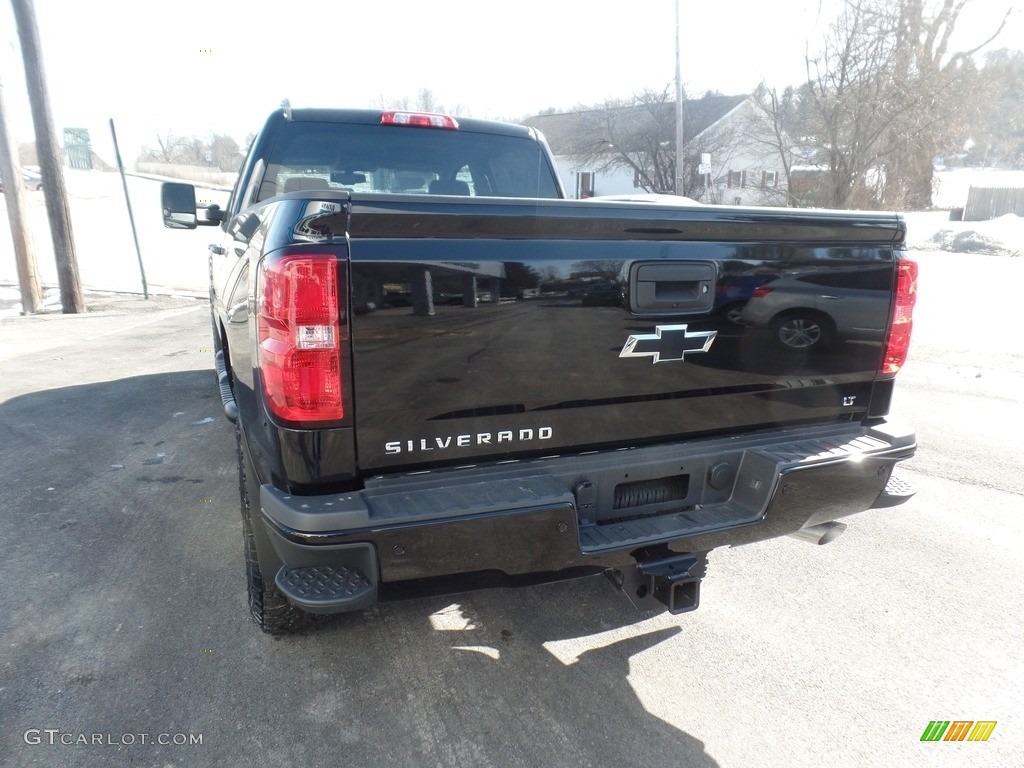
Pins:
x,y
679,111
131,217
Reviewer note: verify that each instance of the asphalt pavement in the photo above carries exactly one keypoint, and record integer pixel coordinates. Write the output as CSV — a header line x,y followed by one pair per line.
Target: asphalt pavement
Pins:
x,y
125,639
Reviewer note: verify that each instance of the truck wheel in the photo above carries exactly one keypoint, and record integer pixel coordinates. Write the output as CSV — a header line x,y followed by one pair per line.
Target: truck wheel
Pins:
x,y
268,607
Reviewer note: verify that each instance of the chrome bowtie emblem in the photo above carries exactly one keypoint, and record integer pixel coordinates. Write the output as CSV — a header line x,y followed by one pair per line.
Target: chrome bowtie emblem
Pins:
x,y
668,343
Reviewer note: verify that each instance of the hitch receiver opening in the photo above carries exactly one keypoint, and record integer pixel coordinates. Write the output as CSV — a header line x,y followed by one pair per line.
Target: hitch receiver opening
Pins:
x,y
677,596
672,582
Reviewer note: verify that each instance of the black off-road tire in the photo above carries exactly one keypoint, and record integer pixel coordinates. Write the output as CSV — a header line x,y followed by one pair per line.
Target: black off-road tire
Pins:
x,y
268,607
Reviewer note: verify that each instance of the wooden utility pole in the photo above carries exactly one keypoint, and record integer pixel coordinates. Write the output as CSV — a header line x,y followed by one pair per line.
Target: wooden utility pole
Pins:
x,y
17,213
50,166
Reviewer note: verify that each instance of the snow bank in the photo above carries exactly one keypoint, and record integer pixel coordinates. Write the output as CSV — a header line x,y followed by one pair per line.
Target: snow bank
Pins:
x,y
933,231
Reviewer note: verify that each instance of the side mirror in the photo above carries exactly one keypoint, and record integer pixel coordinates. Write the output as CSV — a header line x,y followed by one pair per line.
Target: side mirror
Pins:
x,y
214,215
178,202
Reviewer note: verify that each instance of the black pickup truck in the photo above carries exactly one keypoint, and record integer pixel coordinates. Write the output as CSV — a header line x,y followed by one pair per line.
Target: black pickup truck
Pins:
x,y
446,376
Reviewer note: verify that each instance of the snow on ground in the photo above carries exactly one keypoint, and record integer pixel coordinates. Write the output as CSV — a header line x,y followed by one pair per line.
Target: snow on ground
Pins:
x,y
933,231
10,300
175,261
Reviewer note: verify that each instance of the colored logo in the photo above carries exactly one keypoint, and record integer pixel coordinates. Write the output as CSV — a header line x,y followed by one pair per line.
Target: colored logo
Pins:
x,y
958,730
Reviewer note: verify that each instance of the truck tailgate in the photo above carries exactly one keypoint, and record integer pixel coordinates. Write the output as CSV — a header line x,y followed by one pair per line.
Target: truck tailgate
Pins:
x,y
499,329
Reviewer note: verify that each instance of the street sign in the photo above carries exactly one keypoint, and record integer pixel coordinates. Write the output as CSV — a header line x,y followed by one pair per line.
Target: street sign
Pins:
x,y
704,168
705,159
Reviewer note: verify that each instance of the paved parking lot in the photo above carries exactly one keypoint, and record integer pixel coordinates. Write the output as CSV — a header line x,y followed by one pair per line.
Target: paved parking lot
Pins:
x,y
123,620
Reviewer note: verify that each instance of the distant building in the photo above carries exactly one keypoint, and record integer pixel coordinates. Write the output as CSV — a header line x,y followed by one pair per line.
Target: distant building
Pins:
x,y
744,168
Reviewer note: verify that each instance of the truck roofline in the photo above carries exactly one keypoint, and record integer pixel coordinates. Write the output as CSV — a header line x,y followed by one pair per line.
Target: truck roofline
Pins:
x,y
372,117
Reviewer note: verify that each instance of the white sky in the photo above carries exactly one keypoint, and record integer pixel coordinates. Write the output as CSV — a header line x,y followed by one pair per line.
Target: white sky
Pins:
x,y
198,66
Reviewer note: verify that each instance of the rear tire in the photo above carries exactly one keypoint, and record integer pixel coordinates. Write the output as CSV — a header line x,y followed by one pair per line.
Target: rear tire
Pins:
x,y
267,606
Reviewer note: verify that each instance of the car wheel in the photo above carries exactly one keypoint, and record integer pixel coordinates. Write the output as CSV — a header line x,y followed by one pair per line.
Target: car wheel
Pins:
x,y
802,332
268,607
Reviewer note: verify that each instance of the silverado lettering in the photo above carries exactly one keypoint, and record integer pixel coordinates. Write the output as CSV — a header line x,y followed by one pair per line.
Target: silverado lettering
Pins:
x,y
466,441
399,298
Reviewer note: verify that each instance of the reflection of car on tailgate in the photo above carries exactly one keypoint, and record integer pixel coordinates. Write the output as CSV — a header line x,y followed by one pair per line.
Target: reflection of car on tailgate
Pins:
x,y
733,294
810,310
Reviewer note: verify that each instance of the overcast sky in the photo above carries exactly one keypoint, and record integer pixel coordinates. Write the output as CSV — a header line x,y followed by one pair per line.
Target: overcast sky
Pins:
x,y
194,67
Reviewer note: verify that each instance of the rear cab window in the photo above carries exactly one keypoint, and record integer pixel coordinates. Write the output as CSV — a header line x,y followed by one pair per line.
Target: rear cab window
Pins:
x,y
385,159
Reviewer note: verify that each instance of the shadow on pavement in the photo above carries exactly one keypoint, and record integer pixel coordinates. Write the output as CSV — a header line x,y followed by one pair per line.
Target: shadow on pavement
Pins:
x,y
553,669
124,612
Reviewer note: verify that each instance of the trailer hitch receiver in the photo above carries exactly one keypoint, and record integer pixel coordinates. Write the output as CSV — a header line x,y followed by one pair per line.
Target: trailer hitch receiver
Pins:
x,y
672,581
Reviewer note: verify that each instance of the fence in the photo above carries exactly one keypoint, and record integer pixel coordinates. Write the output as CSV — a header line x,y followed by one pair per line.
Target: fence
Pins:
x,y
984,203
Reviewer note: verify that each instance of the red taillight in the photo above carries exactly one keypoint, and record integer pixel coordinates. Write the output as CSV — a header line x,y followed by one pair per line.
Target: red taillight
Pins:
x,y
300,337
420,120
761,291
898,344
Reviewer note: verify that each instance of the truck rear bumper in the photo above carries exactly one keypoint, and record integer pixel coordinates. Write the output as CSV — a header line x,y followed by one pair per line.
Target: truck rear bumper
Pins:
x,y
595,511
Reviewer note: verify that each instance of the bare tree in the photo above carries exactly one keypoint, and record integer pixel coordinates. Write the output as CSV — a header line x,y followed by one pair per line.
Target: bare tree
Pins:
x,y
851,101
193,151
941,80
773,125
881,96
386,103
426,102
225,152
636,134
996,134
167,149
222,150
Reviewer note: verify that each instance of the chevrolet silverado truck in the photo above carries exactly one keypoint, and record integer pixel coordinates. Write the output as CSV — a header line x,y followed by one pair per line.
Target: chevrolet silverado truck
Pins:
x,y
445,376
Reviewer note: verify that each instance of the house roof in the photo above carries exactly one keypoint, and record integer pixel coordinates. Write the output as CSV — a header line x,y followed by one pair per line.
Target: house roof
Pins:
x,y
561,129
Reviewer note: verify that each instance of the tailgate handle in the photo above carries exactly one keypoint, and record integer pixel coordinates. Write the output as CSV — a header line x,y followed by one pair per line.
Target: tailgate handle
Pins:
x,y
668,288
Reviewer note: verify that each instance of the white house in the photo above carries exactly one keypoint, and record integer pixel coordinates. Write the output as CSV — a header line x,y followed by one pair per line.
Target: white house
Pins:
x,y
744,169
